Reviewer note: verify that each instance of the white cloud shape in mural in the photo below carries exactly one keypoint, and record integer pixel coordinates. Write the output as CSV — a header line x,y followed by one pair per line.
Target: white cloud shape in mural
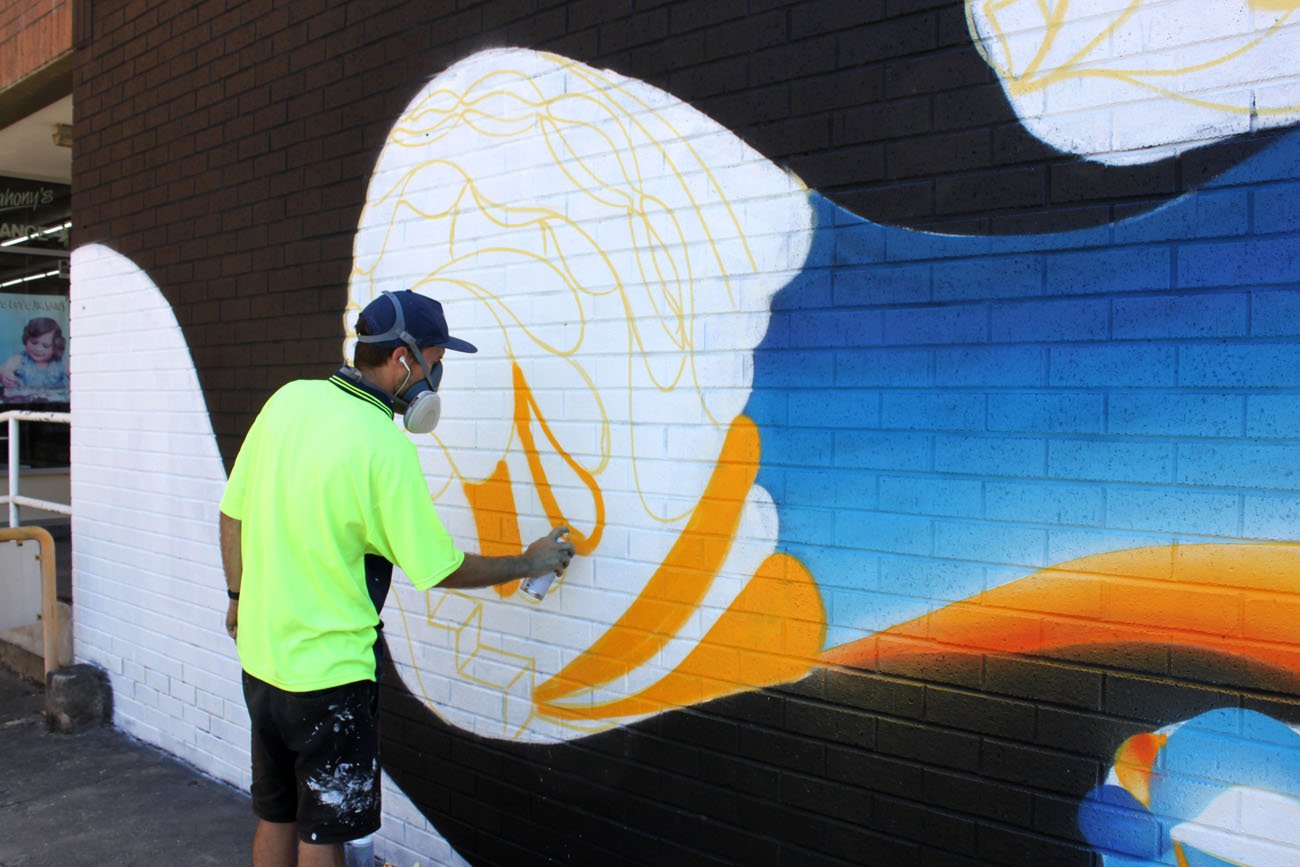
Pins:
x,y
1242,825
145,490
1129,81
613,253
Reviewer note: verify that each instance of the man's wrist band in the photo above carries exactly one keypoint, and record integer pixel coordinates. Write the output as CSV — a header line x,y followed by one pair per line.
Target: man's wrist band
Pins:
x,y
232,594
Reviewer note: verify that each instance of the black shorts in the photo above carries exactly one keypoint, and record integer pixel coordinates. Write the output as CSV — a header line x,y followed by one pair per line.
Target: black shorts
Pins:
x,y
316,758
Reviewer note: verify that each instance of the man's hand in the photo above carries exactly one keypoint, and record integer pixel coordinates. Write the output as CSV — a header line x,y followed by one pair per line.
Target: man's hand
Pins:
x,y
551,553
232,563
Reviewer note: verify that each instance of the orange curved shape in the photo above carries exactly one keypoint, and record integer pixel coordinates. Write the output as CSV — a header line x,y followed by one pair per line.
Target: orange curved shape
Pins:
x,y
1241,599
496,519
1133,763
771,634
526,410
678,585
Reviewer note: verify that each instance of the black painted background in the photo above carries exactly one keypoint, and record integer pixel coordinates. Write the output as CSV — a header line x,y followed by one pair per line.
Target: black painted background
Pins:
x,y
968,760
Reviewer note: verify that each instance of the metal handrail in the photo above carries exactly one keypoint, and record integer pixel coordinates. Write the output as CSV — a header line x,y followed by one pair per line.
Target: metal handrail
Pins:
x,y
49,599
13,498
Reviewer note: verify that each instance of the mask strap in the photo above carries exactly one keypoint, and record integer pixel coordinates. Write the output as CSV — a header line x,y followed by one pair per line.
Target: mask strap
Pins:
x,y
428,374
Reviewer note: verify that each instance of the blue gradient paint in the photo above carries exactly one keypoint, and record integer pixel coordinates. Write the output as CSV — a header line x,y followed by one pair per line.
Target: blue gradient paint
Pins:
x,y
990,406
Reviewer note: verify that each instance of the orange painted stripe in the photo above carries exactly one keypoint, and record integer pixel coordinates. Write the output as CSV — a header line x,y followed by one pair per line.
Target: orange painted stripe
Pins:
x,y
759,641
678,585
526,410
1133,762
497,520
1236,598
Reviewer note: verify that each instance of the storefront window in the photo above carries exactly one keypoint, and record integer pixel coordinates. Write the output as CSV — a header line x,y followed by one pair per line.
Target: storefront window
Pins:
x,y
35,228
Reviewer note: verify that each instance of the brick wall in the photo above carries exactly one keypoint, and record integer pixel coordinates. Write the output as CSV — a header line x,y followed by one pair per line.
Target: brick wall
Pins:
x,y
32,35
930,447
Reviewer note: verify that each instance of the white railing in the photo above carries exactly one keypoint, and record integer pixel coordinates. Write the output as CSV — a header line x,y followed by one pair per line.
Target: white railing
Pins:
x,y
14,499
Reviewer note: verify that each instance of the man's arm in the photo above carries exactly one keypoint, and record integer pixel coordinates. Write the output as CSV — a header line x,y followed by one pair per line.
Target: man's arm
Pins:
x,y
232,561
551,553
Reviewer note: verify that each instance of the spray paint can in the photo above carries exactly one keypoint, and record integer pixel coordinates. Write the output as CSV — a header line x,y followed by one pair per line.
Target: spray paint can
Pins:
x,y
360,853
536,587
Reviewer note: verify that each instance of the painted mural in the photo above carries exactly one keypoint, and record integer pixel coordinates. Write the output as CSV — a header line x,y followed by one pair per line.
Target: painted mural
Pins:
x,y
961,456
808,454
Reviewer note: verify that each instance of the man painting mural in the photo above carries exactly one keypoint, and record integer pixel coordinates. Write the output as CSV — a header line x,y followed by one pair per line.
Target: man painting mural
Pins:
x,y
325,496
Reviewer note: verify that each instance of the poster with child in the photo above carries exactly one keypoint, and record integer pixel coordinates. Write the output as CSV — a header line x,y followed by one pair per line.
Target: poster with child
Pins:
x,y
34,349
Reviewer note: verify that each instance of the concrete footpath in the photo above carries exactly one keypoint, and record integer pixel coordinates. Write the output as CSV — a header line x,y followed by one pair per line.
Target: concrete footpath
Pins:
x,y
102,798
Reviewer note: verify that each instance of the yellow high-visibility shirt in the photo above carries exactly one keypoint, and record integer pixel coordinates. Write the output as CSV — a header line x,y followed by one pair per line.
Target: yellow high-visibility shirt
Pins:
x,y
324,482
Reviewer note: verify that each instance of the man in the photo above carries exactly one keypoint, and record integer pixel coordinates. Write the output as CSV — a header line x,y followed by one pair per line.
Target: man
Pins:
x,y
326,494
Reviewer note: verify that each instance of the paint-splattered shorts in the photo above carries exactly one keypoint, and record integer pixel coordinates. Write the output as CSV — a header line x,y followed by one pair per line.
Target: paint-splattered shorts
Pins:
x,y
316,758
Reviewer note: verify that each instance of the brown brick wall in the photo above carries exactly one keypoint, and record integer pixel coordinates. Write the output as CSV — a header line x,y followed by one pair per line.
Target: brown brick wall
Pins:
x,y
32,35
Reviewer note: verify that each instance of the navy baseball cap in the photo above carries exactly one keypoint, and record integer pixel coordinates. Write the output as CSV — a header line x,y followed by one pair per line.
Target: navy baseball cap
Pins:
x,y
396,318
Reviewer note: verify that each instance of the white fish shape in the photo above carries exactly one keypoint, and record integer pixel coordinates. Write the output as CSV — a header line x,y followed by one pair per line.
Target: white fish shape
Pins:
x,y
579,228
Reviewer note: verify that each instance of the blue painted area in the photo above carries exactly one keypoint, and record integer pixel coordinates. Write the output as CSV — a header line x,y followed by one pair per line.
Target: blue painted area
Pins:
x,y
1106,272
1003,276
1212,214
1118,824
1205,759
1250,261
1166,316
1277,208
1275,313
966,409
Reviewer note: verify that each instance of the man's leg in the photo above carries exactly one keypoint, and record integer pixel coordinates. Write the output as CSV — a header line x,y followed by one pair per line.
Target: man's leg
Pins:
x,y
274,790
275,844
320,855
338,771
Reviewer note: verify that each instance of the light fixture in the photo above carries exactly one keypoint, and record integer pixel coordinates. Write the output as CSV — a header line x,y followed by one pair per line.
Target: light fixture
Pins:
x,y
36,236
29,278
62,135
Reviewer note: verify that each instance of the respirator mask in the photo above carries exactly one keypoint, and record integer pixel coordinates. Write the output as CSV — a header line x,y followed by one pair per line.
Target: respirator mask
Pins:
x,y
419,401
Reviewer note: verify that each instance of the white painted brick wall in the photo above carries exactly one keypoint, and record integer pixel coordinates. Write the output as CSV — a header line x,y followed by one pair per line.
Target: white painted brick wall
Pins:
x,y
145,486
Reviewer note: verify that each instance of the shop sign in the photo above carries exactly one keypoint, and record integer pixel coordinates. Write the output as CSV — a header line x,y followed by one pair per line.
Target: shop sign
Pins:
x,y
27,207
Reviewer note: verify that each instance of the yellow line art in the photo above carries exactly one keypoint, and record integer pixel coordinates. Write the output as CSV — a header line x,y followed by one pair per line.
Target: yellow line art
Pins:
x,y
1080,55
479,663
1031,79
1056,18
470,648
618,219
666,277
